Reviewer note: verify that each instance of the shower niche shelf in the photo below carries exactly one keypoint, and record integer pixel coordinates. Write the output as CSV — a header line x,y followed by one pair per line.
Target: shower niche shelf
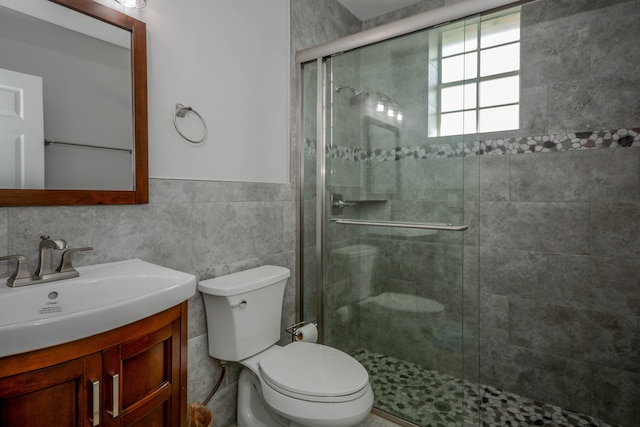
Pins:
x,y
360,202
338,203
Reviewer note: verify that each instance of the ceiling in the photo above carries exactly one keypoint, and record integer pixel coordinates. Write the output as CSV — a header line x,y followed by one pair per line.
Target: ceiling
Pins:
x,y
367,9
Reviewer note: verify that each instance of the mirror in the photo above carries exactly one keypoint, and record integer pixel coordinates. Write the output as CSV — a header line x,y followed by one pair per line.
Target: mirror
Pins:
x,y
383,177
91,144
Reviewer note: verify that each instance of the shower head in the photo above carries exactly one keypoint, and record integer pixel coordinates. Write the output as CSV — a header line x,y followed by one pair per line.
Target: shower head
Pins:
x,y
340,88
357,98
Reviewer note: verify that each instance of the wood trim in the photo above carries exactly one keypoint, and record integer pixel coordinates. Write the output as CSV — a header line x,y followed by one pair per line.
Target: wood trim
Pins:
x,y
51,376
141,128
133,348
36,393
183,365
162,395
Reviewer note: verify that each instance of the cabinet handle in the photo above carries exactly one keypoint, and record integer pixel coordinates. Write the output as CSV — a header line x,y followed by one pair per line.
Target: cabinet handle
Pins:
x,y
115,378
95,385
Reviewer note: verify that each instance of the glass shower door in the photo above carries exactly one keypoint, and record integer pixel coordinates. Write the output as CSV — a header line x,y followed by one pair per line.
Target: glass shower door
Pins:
x,y
397,196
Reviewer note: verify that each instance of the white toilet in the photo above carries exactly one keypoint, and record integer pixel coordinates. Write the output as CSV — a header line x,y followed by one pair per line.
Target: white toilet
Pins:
x,y
300,384
358,261
420,318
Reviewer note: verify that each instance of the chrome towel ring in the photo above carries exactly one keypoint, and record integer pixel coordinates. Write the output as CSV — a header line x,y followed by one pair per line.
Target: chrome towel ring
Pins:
x,y
182,111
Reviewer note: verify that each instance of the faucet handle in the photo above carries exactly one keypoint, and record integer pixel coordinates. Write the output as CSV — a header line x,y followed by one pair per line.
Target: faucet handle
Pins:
x,y
65,263
22,272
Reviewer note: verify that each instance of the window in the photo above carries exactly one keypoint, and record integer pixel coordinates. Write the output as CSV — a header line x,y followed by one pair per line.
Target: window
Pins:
x,y
477,64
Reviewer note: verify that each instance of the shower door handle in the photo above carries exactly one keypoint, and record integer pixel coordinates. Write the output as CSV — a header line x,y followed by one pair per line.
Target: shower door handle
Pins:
x,y
394,224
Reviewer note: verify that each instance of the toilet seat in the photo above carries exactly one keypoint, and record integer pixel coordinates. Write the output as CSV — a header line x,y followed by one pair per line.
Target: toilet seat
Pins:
x,y
315,373
406,303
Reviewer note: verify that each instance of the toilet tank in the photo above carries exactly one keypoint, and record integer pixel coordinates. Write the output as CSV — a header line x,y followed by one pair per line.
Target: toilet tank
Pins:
x,y
244,311
359,263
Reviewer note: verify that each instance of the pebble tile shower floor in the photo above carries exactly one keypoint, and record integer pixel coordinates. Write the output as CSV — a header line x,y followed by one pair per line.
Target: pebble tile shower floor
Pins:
x,y
432,399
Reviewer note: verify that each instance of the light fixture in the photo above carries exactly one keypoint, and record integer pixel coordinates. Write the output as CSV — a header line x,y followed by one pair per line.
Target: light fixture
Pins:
x,y
133,3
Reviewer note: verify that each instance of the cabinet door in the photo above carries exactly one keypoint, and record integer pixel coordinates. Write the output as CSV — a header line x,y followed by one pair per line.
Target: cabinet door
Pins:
x,y
60,395
141,380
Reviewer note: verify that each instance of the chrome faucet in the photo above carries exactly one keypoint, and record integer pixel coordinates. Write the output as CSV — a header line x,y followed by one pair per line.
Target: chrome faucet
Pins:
x,y
46,248
45,271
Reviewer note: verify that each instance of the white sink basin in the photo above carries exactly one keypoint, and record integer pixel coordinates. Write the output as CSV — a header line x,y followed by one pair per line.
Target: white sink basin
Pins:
x,y
104,297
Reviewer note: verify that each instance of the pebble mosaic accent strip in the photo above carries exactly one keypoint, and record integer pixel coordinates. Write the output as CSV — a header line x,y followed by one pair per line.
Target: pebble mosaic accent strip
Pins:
x,y
431,399
620,138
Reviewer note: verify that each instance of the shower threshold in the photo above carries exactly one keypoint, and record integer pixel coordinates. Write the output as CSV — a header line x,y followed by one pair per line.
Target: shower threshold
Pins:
x,y
429,398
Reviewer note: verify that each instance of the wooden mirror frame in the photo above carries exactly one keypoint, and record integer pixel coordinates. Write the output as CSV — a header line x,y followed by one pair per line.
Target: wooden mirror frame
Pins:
x,y
140,192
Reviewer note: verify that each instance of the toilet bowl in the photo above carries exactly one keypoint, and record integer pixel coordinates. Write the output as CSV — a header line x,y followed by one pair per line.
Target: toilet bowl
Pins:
x,y
300,384
307,384
425,310
416,322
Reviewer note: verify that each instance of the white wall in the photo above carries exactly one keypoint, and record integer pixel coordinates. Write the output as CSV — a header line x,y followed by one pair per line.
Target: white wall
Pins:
x,y
229,60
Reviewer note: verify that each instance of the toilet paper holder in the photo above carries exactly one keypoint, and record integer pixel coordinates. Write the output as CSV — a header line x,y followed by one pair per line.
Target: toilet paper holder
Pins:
x,y
294,328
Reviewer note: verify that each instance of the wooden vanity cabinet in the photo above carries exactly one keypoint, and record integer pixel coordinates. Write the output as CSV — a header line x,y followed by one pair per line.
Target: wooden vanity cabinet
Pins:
x,y
131,376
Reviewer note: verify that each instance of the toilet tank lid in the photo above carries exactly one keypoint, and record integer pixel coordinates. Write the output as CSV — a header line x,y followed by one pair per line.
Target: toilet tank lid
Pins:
x,y
244,281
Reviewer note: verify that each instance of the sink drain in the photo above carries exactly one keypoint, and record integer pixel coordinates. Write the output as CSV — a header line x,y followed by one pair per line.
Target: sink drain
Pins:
x,y
442,406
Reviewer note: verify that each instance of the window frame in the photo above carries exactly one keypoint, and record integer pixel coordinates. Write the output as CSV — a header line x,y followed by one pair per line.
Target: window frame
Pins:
x,y
478,79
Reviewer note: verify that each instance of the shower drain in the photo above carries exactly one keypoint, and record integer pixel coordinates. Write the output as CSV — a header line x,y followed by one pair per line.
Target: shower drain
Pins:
x,y
442,406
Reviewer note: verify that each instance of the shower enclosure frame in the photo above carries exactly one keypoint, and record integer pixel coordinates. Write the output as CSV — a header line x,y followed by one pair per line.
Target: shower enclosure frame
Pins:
x,y
318,54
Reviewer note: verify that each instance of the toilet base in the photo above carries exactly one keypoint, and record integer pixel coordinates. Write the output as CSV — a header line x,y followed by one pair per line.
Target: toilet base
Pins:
x,y
252,412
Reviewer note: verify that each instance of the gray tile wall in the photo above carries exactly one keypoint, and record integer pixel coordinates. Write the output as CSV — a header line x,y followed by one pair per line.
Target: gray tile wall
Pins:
x,y
559,247
559,279
204,228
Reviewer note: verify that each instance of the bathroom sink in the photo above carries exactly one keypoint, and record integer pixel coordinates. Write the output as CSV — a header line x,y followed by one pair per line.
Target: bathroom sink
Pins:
x,y
104,297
